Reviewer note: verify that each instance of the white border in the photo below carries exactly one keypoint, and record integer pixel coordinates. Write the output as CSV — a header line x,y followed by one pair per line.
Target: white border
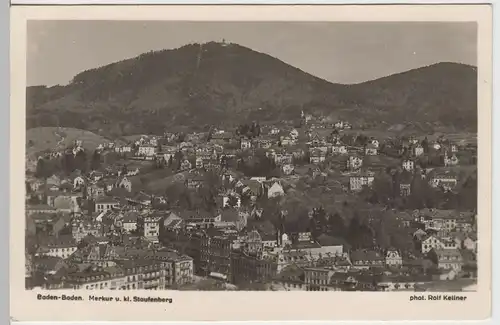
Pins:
x,y
496,119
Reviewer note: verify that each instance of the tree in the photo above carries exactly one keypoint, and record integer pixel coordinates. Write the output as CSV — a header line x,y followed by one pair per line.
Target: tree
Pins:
x,y
319,222
382,237
178,159
80,161
336,225
124,170
95,162
68,163
232,201
41,169
360,235
28,188
425,145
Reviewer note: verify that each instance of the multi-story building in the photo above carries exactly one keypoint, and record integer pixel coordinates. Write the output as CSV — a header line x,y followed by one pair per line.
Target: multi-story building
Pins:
x,y
104,204
317,279
146,150
112,278
152,227
178,268
145,273
216,254
449,259
393,258
83,228
357,182
61,246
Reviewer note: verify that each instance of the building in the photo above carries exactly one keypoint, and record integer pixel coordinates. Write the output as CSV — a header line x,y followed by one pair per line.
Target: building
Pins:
x,y
152,227
179,268
124,182
245,144
405,183
275,190
287,169
418,150
129,221
366,259
449,259
83,228
317,279
404,189
470,242
146,151
354,163
450,161
216,254
317,156
250,267
439,220
95,191
112,278
408,165
430,243
104,204
357,182
339,149
393,258
60,246
291,278
371,150
446,180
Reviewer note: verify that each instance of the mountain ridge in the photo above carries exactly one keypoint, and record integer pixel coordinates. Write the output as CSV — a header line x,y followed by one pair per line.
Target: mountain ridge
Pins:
x,y
214,83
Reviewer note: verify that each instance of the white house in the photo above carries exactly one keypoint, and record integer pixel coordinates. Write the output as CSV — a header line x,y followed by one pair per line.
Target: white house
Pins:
x,y
375,143
393,258
445,180
246,144
371,150
125,183
146,151
354,163
418,150
275,190
226,200
357,182
450,161
339,149
408,165
129,221
78,182
105,204
287,169
430,243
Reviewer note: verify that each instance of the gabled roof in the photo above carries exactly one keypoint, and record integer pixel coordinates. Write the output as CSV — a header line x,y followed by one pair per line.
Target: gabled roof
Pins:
x,y
366,255
130,216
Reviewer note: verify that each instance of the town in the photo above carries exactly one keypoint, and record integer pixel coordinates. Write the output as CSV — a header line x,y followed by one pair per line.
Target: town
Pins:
x,y
309,204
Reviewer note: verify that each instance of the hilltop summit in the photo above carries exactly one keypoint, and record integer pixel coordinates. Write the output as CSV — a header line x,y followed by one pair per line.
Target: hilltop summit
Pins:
x,y
218,82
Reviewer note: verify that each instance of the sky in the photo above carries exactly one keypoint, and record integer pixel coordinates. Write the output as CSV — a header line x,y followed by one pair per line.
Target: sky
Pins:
x,y
340,52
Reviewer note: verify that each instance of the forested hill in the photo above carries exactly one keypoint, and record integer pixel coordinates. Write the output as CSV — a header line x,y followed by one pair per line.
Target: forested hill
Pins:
x,y
213,83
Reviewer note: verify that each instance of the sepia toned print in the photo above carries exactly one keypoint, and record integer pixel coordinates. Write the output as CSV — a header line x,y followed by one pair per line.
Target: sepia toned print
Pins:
x,y
201,157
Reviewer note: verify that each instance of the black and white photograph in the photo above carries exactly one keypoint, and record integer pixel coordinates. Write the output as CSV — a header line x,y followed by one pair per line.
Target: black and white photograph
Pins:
x,y
276,156
251,156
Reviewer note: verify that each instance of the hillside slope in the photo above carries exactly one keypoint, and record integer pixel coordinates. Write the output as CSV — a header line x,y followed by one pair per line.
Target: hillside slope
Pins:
x,y
40,139
215,83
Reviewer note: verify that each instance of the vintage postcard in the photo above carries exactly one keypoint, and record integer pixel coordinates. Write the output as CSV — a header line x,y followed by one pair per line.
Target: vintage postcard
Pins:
x,y
234,163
